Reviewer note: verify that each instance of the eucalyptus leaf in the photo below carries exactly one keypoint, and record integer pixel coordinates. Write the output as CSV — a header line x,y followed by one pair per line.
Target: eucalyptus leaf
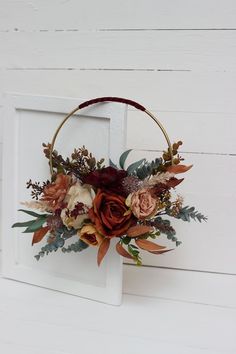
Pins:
x,y
134,166
111,163
32,213
36,225
148,168
78,246
23,224
123,158
187,213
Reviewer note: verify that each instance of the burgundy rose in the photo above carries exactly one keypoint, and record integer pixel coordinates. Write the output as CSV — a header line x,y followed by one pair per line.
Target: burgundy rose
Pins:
x,y
108,179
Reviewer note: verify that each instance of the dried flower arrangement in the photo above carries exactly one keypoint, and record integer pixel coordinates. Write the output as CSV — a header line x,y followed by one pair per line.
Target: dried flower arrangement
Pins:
x,y
98,203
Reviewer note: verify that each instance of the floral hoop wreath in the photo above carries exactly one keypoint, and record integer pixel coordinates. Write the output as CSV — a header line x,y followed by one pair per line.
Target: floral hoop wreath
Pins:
x,y
93,203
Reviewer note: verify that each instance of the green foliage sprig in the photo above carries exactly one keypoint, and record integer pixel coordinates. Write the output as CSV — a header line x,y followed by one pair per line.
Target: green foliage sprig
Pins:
x,y
56,241
80,163
187,213
164,227
78,246
32,225
148,168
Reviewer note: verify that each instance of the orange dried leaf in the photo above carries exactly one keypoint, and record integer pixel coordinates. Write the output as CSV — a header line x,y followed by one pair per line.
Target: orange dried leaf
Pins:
x,y
120,249
173,182
149,245
103,248
161,251
39,234
138,230
178,168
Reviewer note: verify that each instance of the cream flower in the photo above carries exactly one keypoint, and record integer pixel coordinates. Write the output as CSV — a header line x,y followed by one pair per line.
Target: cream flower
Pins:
x,y
77,194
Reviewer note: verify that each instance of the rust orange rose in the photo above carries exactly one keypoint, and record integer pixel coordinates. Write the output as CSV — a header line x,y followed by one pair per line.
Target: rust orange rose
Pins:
x,y
54,193
142,204
110,214
89,235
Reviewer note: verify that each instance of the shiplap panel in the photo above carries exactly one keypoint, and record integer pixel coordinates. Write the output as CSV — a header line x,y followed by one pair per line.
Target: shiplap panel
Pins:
x,y
176,284
186,126
68,325
207,246
138,344
201,132
158,91
130,14
159,50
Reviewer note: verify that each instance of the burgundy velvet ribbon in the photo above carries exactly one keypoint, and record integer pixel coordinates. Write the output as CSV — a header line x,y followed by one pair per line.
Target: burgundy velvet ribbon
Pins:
x,y
112,99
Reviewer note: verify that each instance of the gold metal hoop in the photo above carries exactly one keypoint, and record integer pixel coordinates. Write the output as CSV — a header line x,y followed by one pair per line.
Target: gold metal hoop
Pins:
x,y
108,99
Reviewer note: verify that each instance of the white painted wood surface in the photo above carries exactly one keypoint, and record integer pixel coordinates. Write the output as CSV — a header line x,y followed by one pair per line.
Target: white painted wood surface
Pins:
x,y
178,59
208,288
35,321
156,50
205,92
131,14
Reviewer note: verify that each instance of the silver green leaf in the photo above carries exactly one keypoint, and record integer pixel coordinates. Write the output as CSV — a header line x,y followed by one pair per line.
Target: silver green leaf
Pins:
x,y
123,158
36,225
134,166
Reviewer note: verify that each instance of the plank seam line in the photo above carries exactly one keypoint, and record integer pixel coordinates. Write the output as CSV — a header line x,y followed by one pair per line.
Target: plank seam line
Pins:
x,y
189,152
18,30
166,29
156,110
97,69
183,269
180,301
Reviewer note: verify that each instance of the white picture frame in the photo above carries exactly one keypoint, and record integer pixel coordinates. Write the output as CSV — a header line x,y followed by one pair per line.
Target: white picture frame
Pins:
x,y
29,121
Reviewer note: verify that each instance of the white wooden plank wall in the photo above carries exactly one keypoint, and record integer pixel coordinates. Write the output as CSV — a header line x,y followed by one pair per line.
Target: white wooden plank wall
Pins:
x,y
176,57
